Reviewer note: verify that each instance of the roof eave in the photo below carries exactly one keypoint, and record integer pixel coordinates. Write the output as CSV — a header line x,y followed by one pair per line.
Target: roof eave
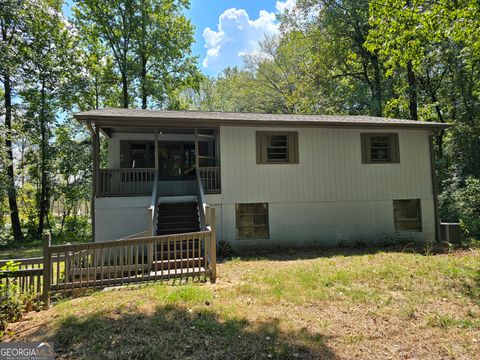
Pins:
x,y
167,121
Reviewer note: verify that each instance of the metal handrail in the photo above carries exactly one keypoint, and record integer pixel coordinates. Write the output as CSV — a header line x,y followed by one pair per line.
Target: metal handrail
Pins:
x,y
202,203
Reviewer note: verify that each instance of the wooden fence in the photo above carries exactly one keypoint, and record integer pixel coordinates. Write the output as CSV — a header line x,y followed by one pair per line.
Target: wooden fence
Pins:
x,y
28,277
64,268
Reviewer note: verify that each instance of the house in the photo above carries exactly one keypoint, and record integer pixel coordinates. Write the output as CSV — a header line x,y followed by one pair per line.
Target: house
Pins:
x,y
272,179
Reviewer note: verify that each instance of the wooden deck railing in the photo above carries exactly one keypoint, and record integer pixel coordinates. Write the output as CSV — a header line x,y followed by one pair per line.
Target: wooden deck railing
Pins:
x,y
211,179
126,182
139,182
64,268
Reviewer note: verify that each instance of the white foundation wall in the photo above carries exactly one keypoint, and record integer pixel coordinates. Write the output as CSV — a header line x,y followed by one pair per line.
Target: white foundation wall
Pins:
x,y
330,224
330,197
117,217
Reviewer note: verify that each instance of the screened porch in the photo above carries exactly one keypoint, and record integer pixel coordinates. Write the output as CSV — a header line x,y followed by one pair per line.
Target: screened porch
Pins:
x,y
138,158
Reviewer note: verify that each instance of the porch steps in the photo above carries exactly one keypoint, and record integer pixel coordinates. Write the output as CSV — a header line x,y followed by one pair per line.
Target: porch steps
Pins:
x,y
177,218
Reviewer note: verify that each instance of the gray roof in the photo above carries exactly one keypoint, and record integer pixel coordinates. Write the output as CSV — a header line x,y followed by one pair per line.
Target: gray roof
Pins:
x,y
139,117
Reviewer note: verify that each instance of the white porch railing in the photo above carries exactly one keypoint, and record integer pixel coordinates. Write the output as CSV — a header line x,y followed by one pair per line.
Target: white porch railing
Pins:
x,y
210,179
139,182
126,182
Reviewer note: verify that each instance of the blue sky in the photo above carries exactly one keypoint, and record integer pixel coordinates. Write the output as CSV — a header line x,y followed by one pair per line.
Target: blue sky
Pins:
x,y
225,29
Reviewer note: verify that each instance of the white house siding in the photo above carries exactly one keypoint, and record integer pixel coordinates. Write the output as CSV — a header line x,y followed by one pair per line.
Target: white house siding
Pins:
x,y
117,217
330,197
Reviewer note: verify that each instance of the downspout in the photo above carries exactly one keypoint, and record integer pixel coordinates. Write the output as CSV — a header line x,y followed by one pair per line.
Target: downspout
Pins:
x,y
434,186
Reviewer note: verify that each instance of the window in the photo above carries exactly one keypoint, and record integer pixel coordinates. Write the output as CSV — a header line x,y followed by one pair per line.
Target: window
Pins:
x,y
252,221
407,215
277,147
380,148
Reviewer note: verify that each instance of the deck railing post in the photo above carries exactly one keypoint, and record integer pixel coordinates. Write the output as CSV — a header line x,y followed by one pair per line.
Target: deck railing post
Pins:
x,y
151,232
47,269
150,211
213,245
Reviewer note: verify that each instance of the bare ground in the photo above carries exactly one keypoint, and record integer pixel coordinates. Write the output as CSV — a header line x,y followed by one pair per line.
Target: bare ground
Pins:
x,y
310,304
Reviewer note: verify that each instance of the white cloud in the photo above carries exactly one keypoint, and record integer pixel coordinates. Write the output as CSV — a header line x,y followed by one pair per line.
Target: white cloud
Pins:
x,y
238,34
281,6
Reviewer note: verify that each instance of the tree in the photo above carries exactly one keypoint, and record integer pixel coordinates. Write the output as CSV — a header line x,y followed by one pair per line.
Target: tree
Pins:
x,y
337,31
115,23
50,58
72,168
12,25
233,90
278,72
96,85
163,42
149,41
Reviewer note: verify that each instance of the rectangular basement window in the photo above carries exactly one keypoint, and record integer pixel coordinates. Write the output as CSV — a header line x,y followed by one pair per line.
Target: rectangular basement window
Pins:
x,y
407,215
380,148
277,147
252,221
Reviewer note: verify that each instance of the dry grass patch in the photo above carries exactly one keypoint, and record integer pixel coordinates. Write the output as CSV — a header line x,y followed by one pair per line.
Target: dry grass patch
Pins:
x,y
309,305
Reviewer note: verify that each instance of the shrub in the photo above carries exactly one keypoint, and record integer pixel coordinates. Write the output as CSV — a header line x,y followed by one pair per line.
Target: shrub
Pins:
x,y
468,200
14,304
224,249
10,304
460,201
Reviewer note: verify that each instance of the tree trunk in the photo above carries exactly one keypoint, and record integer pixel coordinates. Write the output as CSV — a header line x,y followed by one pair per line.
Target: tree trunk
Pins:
x,y
12,192
143,56
43,165
433,96
412,92
377,88
97,95
143,81
125,90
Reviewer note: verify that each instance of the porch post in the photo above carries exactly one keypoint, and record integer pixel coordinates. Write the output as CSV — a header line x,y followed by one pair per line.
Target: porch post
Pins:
x,y
95,172
197,165
96,160
156,151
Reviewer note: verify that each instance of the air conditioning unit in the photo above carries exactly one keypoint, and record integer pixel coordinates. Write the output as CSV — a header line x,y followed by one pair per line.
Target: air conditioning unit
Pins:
x,y
451,233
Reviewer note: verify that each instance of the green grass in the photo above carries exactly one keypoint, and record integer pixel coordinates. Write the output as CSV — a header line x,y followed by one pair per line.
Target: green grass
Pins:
x,y
308,305
447,321
33,248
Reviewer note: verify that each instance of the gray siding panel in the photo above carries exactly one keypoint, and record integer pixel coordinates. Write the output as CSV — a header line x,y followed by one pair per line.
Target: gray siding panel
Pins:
x,y
330,169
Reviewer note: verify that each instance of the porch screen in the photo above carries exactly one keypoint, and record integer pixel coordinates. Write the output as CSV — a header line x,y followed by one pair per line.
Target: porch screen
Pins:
x,y
137,154
252,221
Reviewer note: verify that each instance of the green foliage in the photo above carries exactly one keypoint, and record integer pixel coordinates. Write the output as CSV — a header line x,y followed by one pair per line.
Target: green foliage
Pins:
x,y
76,227
13,304
468,203
461,202
146,44
224,250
